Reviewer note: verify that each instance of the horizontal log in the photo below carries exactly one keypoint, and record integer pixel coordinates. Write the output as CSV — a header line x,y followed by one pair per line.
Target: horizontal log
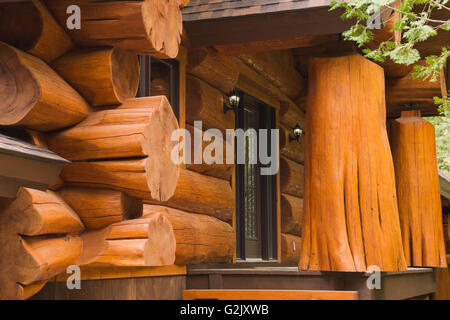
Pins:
x,y
147,241
35,92
38,240
205,103
137,178
406,93
99,208
138,132
139,127
287,79
197,193
291,177
200,238
36,212
221,171
151,27
290,248
106,76
217,70
291,214
292,114
293,150
269,45
30,27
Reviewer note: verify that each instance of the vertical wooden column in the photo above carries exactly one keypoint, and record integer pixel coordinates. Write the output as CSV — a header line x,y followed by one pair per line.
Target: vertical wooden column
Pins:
x,y
419,201
350,208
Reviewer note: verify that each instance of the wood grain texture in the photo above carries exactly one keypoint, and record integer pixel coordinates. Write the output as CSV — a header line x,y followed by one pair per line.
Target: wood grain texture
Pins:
x,y
38,240
291,177
229,294
150,27
99,208
147,241
290,248
105,76
30,27
132,144
419,202
32,91
287,79
293,150
198,193
218,70
205,103
207,167
200,238
416,92
351,216
291,214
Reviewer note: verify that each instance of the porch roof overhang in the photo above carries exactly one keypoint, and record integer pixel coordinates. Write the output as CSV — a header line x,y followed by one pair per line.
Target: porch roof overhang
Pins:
x,y
444,184
25,165
222,22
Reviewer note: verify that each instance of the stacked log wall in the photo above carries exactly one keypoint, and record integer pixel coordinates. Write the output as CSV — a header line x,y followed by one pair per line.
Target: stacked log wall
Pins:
x,y
120,153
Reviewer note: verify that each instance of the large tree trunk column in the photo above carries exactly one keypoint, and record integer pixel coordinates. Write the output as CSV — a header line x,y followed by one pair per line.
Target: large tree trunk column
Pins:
x,y
419,200
350,216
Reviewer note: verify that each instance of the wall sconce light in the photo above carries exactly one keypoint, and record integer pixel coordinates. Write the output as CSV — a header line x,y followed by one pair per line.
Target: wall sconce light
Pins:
x,y
298,132
233,102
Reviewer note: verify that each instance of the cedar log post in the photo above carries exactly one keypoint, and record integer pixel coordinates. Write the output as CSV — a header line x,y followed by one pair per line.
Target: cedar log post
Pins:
x,y
419,201
351,216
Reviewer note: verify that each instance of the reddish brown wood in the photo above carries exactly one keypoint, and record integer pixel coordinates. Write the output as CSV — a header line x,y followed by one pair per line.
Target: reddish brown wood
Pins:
x,y
217,70
38,240
150,27
200,238
291,214
350,211
106,76
132,144
197,193
99,208
35,96
419,201
139,242
29,26
291,177
290,248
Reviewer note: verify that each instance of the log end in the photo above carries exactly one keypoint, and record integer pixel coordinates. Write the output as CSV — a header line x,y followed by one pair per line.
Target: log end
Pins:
x,y
18,87
124,73
161,244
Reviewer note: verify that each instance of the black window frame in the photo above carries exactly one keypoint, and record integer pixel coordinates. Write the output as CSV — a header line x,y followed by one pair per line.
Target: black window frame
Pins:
x,y
145,63
267,187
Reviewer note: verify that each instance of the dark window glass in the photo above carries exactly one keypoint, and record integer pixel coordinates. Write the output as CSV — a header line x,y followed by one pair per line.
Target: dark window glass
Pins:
x,y
160,77
255,193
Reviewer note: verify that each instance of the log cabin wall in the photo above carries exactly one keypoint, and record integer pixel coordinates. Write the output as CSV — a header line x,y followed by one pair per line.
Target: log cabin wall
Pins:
x,y
76,96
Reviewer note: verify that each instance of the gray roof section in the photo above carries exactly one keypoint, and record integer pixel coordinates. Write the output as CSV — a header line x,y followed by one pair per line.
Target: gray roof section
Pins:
x,y
216,9
444,183
18,148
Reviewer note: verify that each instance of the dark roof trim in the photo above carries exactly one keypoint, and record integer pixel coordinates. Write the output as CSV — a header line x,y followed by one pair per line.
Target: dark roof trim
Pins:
x,y
309,21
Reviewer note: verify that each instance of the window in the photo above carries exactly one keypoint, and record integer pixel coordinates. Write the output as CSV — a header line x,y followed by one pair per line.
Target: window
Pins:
x,y
255,193
160,77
